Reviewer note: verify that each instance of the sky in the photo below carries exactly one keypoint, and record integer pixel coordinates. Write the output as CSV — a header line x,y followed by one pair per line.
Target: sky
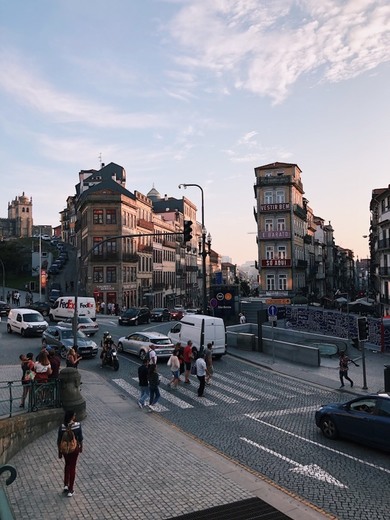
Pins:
x,y
198,91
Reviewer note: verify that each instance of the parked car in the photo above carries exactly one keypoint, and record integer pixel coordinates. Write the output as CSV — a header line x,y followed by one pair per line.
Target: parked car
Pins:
x,y
26,322
138,344
53,269
42,307
4,308
54,295
364,419
134,316
62,339
160,314
177,314
86,325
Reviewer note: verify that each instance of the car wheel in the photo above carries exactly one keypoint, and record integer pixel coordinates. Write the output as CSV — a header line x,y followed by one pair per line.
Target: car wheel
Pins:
x,y
9,330
23,333
136,322
51,317
142,355
328,428
120,347
116,365
63,352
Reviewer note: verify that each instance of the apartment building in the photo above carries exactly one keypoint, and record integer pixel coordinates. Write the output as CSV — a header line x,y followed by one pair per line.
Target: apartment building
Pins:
x,y
281,216
379,242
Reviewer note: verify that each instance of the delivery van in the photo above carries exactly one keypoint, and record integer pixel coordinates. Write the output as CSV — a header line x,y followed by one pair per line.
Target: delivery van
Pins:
x,y
26,322
64,307
201,330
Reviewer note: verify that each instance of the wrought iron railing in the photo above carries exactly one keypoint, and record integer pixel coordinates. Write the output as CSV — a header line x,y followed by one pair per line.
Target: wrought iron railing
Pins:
x,y
37,396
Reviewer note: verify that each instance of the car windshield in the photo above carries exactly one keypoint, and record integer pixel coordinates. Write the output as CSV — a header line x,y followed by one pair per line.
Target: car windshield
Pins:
x,y
131,312
33,318
162,342
68,334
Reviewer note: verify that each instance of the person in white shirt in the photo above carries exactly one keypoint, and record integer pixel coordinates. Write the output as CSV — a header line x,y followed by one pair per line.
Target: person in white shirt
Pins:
x,y
242,318
152,355
201,371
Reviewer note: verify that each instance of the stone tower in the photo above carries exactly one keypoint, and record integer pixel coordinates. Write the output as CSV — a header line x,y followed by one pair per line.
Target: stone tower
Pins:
x,y
20,211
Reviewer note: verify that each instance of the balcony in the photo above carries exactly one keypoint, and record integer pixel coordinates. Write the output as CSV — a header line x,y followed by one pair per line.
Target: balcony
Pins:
x,y
130,257
191,268
141,222
300,212
142,248
301,264
384,243
384,271
169,243
385,300
105,257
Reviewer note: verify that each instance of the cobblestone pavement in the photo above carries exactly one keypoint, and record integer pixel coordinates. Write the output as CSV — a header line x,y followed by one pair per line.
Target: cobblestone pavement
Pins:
x,y
134,466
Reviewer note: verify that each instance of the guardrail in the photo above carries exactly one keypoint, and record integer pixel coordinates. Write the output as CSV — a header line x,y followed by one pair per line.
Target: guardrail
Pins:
x,y
37,396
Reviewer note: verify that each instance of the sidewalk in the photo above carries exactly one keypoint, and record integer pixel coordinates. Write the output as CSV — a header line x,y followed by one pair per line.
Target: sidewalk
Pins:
x,y
135,465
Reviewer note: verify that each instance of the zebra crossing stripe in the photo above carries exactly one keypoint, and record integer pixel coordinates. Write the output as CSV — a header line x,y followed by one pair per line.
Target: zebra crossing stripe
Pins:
x,y
291,392
232,388
256,391
134,392
278,413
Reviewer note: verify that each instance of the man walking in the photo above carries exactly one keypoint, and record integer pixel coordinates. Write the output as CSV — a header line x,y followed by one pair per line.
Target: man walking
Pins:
x,y
143,383
201,372
187,358
344,361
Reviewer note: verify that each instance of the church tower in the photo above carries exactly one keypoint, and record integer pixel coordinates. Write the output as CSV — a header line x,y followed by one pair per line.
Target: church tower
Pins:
x,y
20,211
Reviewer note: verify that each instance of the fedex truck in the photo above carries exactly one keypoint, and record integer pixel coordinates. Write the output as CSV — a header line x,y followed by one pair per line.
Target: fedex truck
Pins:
x,y
64,307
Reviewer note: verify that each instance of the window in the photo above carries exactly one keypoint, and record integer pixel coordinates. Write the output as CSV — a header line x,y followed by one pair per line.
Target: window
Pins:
x,y
111,274
97,249
98,216
270,281
268,197
110,216
269,224
111,246
282,252
98,275
280,196
269,252
281,224
282,281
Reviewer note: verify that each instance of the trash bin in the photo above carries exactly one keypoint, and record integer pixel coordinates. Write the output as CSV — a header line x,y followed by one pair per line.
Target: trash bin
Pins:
x,y
387,378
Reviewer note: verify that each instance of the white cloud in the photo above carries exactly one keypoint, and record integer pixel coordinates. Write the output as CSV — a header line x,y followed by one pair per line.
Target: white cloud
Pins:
x,y
267,46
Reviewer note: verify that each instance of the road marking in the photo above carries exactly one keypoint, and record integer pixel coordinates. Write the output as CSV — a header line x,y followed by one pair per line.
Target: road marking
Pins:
x,y
315,443
134,392
280,384
231,388
287,411
256,391
310,470
170,397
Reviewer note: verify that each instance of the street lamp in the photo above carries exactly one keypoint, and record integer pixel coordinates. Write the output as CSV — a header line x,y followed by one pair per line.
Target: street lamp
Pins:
x,y
203,252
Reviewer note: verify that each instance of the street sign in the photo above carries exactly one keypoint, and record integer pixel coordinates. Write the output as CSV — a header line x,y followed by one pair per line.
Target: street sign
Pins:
x,y
272,310
278,301
272,318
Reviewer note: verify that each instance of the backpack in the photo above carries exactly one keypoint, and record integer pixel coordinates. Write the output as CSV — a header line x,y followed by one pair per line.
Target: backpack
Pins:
x,y
147,356
68,442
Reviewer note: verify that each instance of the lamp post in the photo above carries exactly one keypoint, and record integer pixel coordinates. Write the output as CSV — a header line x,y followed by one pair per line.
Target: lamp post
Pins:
x,y
204,252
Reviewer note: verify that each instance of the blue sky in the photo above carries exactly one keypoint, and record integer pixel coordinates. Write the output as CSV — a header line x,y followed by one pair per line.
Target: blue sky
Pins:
x,y
198,91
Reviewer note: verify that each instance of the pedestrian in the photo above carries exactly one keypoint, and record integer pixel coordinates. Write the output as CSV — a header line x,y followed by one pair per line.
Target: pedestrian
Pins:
x,y
187,358
143,383
42,368
102,307
242,318
344,361
180,355
28,374
55,363
209,363
151,355
174,364
69,427
201,372
9,297
154,381
72,359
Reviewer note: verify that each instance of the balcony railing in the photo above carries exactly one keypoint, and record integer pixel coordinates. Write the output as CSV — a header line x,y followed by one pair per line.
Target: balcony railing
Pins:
x,y
384,271
301,264
191,268
130,257
145,224
105,257
143,248
300,212
384,243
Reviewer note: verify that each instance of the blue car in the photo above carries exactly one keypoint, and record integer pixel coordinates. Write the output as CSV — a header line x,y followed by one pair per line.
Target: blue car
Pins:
x,y
365,420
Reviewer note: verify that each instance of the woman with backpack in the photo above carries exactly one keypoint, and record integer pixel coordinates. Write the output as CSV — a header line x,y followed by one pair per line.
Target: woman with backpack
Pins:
x,y
70,444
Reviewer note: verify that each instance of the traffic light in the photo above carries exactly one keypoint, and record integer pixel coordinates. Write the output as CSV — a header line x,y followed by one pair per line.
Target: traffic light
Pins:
x,y
187,230
362,329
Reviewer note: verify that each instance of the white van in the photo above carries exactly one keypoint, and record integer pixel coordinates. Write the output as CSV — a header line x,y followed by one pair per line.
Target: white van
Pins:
x,y
26,322
64,306
201,330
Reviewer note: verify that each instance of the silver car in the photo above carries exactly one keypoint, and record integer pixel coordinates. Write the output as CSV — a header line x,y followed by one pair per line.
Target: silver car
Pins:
x,y
138,343
85,324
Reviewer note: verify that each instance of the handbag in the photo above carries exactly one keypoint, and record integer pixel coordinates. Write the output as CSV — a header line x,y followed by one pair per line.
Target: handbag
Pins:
x,y
193,370
29,376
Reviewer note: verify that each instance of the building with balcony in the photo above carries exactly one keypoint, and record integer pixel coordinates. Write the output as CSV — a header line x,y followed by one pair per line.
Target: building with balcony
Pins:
x,y
379,242
281,216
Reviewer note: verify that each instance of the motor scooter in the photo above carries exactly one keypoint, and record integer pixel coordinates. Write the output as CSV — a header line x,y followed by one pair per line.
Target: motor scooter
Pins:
x,y
110,358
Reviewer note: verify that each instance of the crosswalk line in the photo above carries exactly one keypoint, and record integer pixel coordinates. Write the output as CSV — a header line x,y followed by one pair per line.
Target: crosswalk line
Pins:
x,y
279,385
285,411
258,393
134,392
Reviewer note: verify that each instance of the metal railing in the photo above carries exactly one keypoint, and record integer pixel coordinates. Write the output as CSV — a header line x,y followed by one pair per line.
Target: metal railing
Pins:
x,y
37,396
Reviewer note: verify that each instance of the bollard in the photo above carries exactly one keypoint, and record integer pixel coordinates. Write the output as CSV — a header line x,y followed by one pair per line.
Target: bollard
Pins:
x,y
71,397
387,378
6,512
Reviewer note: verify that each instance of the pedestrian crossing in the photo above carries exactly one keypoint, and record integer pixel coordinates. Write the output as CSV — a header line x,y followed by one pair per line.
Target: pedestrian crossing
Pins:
x,y
226,388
